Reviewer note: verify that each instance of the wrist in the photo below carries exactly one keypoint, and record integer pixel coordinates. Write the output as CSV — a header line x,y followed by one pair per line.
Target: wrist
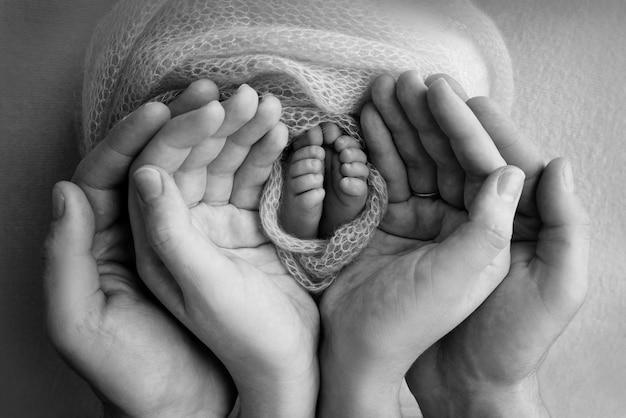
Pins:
x,y
293,394
352,386
488,400
111,411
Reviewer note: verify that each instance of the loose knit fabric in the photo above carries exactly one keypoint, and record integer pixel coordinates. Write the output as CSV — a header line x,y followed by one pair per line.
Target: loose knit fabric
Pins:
x,y
317,57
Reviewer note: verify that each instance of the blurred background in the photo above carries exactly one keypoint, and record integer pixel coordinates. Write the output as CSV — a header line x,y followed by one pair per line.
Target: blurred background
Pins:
x,y
569,58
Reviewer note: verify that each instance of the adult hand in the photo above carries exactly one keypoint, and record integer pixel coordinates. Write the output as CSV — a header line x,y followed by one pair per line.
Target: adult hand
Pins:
x,y
139,359
430,264
201,250
488,365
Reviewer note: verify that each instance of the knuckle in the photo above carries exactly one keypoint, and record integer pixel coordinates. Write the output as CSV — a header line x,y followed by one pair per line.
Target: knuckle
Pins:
x,y
495,236
162,238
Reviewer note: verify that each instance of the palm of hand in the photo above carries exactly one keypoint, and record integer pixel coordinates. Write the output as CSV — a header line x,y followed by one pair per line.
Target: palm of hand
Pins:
x,y
514,326
145,360
135,354
225,283
261,291
397,290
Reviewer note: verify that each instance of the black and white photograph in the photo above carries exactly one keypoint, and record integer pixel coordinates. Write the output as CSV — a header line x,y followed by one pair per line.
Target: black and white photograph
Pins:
x,y
312,208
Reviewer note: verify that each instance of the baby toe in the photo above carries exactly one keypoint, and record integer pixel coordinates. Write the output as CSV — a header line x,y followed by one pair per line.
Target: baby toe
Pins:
x,y
353,187
356,170
313,136
305,166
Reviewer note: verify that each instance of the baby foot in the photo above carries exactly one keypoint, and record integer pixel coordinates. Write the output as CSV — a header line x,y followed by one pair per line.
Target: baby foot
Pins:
x,y
345,180
303,193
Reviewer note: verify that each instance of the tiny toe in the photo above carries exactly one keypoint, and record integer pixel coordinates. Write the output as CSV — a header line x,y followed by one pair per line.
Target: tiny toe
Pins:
x,y
302,184
356,169
306,166
313,136
350,155
345,141
331,132
309,152
353,187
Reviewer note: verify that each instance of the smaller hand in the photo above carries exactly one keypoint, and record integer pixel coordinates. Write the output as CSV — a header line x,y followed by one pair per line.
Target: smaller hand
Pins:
x,y
139,360
201,251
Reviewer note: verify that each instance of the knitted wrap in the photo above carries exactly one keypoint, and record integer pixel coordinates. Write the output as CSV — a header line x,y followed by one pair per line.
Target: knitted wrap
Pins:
x,y
317,57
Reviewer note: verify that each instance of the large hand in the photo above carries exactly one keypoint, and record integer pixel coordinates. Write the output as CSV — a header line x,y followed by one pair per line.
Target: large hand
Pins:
x,y
430,264
137,357
201,251
487,366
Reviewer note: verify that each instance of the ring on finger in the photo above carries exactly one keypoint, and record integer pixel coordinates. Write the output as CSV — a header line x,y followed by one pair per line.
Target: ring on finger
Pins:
x,y
432,195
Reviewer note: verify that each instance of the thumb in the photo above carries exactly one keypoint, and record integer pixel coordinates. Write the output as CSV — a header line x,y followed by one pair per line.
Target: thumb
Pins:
x,y
71,273
475,258
168,244
562,252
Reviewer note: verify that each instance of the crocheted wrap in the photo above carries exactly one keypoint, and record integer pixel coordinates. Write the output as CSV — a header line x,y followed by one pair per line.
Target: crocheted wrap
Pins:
x,y
317,56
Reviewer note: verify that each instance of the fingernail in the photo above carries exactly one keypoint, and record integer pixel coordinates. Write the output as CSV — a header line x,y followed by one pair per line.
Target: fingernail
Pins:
x,y
151,104
243,86
213,105
510,184
568,177
443,83
149,184
446,88
58,203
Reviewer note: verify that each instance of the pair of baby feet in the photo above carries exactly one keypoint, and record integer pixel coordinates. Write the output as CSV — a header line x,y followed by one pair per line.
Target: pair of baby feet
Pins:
x,y
325,183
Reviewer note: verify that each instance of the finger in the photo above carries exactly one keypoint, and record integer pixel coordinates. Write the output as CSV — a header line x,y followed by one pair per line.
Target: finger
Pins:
x,y
384,155
449,175
411,95
196,95
193,261
514,147
71,278
422,219
472,145
458,89
150,267
479,248
239,109
106,167
255,170
561,265
172,146
221,171
388,97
